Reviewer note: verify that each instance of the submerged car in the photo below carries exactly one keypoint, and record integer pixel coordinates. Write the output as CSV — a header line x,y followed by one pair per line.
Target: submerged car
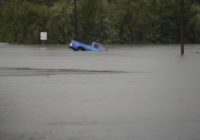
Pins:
x,y
79,46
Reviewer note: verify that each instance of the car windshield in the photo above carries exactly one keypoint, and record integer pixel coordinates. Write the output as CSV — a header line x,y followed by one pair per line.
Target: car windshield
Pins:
x,y
96,46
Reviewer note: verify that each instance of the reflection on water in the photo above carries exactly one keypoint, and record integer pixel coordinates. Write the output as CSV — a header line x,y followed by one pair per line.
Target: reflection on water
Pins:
x,y
139,92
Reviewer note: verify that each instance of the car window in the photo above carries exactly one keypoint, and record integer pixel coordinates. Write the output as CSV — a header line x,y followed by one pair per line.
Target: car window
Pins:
x,y
96,46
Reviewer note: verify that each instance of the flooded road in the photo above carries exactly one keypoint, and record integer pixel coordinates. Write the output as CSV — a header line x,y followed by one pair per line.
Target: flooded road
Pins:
x,y
126,93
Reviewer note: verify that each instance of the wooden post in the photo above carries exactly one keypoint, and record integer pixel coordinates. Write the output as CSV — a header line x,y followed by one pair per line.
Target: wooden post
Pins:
x,y
182,25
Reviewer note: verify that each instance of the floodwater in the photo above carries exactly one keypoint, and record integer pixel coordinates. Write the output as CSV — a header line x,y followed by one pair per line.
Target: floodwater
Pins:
x,y
139,92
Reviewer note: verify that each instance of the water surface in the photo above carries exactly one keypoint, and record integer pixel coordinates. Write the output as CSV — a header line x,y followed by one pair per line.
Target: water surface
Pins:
x,y
138,92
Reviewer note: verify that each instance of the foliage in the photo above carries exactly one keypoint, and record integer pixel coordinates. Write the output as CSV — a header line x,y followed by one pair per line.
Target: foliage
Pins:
x,y
93,22
23,21
59,25
107,21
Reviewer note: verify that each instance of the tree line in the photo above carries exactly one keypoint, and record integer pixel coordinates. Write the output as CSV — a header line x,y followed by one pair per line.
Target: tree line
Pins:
x,y
106,21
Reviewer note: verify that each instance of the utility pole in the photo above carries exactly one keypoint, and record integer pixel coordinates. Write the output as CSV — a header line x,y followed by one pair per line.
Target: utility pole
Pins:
x,y
75,20
182,13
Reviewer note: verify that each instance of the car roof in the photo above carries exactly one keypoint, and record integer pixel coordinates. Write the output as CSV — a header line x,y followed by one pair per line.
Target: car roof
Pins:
x,y
97,43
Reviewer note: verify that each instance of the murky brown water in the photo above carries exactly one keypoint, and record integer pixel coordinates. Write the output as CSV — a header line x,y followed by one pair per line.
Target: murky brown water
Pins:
x,y
126,93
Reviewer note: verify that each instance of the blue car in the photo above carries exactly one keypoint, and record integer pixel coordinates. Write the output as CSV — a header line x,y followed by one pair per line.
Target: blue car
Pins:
x,y
78,46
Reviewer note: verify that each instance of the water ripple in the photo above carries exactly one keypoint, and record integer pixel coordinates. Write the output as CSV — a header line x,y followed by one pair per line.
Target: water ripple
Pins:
x,y
23,71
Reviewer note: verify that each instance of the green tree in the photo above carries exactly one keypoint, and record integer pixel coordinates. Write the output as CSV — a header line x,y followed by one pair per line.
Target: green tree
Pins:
x,y
92,20
59,25
111,21
23,21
